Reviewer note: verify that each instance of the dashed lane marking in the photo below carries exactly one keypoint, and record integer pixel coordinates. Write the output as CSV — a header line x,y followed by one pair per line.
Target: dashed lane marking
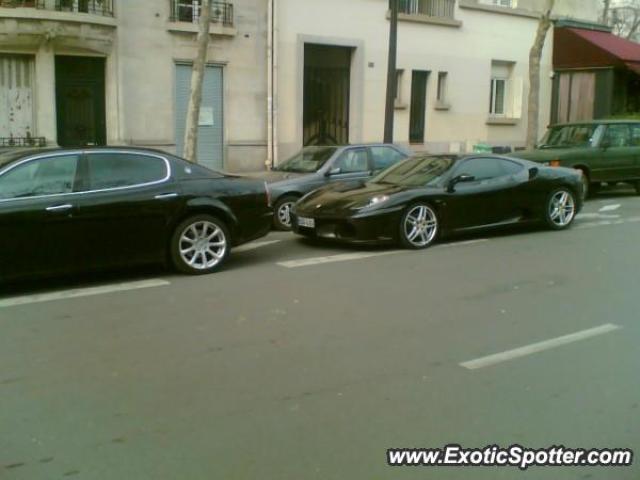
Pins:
x,y
81,292
610,208
254,246
538,347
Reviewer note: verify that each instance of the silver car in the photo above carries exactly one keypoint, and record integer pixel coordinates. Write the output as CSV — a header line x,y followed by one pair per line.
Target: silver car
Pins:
x,y
315,166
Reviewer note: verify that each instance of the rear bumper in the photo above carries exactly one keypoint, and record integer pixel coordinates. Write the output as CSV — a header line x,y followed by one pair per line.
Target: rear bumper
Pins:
x,y
381,228
258,227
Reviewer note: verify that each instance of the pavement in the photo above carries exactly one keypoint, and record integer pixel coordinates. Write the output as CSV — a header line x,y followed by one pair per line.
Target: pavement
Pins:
x,y
304,360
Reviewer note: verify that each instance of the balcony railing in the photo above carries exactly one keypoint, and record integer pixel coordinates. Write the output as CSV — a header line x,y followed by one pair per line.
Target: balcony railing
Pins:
x,y
431,8
27,141
94,7
189,11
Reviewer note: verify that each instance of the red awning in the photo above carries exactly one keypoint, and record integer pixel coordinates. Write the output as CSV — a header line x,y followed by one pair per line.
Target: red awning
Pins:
x,y
582,48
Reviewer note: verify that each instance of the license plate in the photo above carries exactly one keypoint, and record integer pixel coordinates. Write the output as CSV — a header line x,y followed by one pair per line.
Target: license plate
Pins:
x,y
306,222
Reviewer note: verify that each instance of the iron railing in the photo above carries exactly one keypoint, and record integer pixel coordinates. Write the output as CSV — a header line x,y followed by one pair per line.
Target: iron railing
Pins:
x,y
95,7
22,3
23,141
189,11
432,8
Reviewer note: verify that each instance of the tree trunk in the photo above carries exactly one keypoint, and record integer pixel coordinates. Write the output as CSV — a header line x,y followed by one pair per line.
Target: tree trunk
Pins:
x,y
197,77
535,57
605,12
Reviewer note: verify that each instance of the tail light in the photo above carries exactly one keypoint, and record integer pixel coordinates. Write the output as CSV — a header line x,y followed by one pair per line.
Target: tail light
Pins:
x,y
554,163
268,193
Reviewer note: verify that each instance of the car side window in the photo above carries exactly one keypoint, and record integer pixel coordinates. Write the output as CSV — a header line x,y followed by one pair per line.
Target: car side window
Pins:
x,y
115,170
44,176
635,135
384,157
482,168
353,160
617,136
510,168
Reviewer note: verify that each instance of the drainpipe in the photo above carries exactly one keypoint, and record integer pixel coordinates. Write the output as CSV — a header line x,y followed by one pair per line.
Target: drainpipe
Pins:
x,y
274,108
269,161
272,85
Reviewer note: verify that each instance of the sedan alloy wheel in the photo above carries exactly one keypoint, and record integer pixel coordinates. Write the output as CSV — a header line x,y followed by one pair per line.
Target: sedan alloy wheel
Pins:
x,y
282,217
419,226
200,245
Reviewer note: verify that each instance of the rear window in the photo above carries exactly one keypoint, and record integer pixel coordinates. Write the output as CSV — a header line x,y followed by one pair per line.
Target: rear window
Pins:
x,y
116,170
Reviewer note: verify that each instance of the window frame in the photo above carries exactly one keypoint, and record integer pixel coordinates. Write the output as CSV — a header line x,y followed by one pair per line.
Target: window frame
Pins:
x,y
459,169
493,97
82,167
441,87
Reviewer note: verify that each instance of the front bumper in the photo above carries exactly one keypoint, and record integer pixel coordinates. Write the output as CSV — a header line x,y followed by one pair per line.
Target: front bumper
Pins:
x,y
379,227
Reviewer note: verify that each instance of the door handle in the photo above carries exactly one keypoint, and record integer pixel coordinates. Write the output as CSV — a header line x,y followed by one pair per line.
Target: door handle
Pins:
x,y
165,196
60,208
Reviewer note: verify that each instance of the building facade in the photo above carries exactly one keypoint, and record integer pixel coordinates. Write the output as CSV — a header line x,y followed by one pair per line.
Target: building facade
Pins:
x,y
462,71
281,74
95,72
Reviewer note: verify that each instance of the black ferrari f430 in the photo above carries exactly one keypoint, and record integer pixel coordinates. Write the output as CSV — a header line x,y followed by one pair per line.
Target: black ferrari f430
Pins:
x,y
416,201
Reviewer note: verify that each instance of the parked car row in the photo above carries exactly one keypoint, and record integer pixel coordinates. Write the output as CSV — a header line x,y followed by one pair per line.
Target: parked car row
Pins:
x,y
69,210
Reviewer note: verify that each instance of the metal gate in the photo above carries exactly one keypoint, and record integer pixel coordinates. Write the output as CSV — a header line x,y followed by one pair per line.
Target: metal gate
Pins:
x,y
210,152
16,96
327,74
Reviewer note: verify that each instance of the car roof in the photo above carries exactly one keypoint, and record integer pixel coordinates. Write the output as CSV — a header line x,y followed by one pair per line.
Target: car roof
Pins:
x,y
597,122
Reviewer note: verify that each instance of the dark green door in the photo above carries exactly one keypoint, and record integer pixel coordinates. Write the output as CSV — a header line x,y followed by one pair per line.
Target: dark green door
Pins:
x,y
80,101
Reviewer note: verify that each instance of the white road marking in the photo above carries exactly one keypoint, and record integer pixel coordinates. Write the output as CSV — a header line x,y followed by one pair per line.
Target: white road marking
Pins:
x,y
81,292
608,222
465,243
255,245
610,208
583,216
538,347
306,262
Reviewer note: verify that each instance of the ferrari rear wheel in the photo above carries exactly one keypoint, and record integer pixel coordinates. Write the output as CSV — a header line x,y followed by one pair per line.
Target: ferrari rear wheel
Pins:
x,y
561,209
419,226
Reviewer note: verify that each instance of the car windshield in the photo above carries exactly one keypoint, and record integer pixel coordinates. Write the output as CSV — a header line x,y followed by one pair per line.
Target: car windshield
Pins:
x,y
308,160
416,171
570,136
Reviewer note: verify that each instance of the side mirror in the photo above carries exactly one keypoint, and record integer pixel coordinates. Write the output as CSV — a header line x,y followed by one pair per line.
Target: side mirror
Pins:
x,y
334,171
463,178
533,172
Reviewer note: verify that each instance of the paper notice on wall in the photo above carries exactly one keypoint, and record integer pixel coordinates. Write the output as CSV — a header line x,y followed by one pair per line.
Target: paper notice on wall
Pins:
x,y
206,117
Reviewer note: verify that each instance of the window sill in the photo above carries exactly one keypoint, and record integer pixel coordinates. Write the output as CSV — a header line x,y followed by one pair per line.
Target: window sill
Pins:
x,y
419,18
214,29
442,106
504,121
518,12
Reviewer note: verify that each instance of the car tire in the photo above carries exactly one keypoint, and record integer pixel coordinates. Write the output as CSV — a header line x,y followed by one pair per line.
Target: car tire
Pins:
x,y
587,188
200,245
560,209
419,226
282,213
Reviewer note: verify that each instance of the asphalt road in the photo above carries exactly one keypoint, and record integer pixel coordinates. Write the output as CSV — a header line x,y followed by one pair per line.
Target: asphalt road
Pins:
x,y
309,361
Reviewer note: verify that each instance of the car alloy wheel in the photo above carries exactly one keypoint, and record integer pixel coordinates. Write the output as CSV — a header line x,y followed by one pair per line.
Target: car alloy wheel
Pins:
x,y
419,226
282,216
561,209
200,245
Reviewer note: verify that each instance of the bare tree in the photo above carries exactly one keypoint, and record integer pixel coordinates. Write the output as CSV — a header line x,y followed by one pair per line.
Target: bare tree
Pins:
x,y
197,78
625,19
535,57
605,11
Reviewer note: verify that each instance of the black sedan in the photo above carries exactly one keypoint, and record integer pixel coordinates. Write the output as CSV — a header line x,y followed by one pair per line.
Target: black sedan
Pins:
x,y
71,210
415,201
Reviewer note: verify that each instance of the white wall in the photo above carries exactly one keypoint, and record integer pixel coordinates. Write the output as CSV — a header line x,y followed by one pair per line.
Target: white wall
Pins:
x,y
464,52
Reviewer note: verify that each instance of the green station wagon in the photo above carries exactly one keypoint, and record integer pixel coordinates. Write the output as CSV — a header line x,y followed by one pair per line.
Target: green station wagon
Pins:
x,y
606,151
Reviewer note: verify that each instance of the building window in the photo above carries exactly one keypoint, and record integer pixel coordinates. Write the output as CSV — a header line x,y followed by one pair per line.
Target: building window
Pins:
x,y
189,11
431,8
502,95
442,87
399,75
498,90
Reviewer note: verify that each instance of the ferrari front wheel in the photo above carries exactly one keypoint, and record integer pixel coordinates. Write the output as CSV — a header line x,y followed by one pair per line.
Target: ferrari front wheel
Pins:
x,y
419,226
